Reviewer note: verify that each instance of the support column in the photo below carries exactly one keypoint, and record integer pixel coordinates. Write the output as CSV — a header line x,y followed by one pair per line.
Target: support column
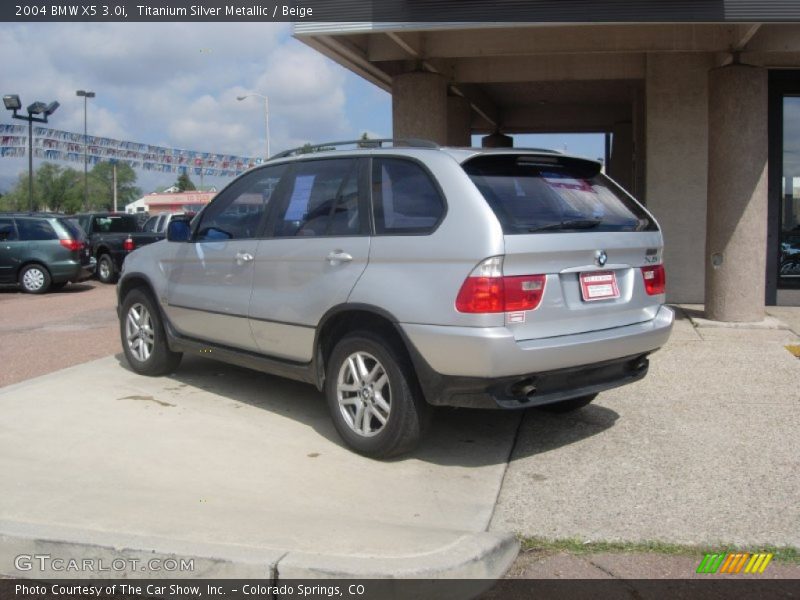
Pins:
x,y
677,159
419,107
621,164
459,121
736,222
497,140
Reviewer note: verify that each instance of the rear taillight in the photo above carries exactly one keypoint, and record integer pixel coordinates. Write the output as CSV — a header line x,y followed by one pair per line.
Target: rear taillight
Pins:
x,y
486,290
72,244
655,279
128,245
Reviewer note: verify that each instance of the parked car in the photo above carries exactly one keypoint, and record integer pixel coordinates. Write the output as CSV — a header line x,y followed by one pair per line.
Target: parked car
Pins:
x,y
399,278
42,251
159,223
112,236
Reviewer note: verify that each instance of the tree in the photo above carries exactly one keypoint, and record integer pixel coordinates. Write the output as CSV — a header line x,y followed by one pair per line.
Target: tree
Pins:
x,y
58,188
17,197
101,185
184,183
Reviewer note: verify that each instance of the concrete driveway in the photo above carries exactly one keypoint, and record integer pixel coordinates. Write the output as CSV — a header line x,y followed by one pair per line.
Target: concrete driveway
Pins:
x,y
244,472
705,450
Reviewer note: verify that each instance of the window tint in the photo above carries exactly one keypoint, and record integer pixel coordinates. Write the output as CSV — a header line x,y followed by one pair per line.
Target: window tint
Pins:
x,y
404,197
322,199
73,229
35,230
237,212
8,232
150,224
545,194
116,224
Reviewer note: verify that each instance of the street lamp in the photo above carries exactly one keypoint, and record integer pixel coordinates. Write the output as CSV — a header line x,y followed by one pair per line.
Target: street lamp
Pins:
x,y
13,103
266,114
85,95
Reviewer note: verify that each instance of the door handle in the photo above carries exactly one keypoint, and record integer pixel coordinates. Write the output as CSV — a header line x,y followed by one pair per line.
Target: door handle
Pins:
x,y
243,257
338,256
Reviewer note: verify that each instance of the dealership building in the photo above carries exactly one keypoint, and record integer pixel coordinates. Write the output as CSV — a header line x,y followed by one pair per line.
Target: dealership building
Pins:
x,y
702,124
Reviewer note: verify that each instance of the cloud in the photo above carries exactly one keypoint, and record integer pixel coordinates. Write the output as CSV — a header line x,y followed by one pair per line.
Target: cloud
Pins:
x,y
175,84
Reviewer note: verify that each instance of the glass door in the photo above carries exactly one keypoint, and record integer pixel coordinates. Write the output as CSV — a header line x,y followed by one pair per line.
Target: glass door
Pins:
x,y
789,210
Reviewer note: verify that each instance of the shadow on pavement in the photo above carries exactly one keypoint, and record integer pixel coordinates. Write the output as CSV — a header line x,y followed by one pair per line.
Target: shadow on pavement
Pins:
x,y
459,437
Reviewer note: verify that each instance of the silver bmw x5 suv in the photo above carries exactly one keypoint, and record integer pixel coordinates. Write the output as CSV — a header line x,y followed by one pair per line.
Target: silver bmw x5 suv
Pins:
x,y
401,276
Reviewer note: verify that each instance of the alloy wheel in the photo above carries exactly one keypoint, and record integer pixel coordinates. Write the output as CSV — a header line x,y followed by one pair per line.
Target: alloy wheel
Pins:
x,y
139,332
363,394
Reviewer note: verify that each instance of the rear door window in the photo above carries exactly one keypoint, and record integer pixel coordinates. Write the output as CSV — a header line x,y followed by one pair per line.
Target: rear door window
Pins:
x,y
404,197
35,230
532,194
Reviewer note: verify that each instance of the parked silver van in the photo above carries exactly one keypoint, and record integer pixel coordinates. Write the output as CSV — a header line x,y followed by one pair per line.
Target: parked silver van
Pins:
x,y
402,275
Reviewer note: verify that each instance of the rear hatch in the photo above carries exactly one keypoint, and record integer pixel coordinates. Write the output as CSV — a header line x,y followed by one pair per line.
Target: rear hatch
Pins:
x,y
598,249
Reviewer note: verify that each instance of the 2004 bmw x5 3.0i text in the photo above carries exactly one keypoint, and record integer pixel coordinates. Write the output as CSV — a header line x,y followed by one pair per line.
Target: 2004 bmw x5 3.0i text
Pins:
x,y
399,276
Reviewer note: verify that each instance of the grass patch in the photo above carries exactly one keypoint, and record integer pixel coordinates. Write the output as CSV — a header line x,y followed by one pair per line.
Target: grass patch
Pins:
x,y
786,554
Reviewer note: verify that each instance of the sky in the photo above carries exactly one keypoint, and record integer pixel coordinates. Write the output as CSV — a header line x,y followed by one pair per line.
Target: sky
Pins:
x,y
176,84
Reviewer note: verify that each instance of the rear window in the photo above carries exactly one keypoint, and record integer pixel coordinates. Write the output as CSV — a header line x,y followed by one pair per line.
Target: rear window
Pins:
x,y
73,229
531,194
116,224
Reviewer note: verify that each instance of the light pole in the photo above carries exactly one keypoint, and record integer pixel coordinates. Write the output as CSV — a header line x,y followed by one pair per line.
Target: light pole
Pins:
x,y
85,95
266,115
12,102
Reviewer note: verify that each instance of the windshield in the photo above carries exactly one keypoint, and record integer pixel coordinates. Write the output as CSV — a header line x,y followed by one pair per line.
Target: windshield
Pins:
x,y
531,194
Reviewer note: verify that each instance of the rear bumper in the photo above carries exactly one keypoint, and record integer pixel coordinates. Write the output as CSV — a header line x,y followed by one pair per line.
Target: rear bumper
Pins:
x,y
72,271
465,366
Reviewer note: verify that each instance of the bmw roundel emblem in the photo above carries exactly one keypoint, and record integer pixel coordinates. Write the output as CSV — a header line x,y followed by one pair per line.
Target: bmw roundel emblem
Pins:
x,y
601,258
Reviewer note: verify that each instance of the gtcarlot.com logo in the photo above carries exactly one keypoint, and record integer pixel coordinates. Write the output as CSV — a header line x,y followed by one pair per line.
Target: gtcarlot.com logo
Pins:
x,y
47,562
735,563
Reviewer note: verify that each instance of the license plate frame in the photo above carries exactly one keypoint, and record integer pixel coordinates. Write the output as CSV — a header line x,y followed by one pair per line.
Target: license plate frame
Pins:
x,y
599,285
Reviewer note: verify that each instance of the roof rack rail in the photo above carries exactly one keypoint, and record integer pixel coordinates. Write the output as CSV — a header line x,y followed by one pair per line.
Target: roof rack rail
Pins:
x,y
368,143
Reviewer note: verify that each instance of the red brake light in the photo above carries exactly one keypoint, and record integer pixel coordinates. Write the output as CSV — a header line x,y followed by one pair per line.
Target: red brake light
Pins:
x,y
128,245
486,290
72,244
655,279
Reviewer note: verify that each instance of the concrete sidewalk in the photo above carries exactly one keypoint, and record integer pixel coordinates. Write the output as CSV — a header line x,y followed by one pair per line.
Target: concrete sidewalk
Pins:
x,y
242,472
704,450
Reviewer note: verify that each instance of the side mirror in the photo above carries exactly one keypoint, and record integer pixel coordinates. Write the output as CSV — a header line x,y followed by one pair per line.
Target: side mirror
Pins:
x,y
179,230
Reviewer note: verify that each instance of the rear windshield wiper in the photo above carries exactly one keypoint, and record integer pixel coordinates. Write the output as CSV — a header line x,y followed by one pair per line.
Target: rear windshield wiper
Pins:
x,y
570,224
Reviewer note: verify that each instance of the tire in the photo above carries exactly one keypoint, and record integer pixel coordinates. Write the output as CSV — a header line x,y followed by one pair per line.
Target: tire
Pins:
x,y
34,279
142,335
566,406
106,270
394,425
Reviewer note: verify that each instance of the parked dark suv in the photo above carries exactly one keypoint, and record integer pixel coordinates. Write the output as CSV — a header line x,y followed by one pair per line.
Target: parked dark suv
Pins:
x,y
42,251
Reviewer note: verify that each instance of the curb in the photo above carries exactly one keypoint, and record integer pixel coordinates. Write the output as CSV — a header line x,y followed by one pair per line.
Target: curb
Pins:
x,y
480,555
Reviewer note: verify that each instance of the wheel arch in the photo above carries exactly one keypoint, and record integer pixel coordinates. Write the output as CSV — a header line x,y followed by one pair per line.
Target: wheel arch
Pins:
x,y
346,318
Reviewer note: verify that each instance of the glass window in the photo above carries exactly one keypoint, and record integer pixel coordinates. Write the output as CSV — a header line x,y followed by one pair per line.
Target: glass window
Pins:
x,y
789,257
544,194
237,213
116,224
150,224
404,198
322,199
73,229
35,230
8,232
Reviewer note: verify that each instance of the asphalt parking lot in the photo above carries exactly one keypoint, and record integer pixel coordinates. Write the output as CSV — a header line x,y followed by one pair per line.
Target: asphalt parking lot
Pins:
x,y
242,468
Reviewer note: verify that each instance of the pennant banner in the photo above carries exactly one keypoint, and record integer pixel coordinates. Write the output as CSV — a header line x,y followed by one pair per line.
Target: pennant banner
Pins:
x,y
54,144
